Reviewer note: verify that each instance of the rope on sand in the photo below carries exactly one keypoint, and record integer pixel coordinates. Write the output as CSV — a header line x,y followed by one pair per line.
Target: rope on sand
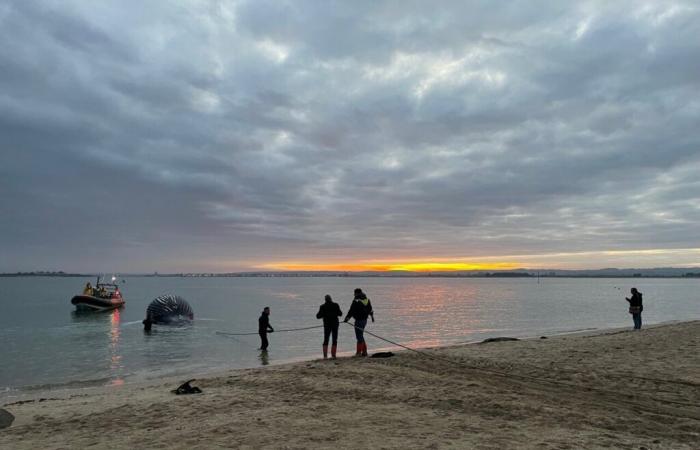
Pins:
x,y
614,394
609,393
426,354
226,333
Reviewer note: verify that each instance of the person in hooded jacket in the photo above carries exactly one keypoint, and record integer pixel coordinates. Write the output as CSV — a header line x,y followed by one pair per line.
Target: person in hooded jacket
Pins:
x,y
329,312
264,327
636,308
360,309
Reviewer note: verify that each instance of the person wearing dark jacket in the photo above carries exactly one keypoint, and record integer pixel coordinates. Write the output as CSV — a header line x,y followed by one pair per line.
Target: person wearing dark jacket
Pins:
x,y
329,312
636,308
360,309
264,327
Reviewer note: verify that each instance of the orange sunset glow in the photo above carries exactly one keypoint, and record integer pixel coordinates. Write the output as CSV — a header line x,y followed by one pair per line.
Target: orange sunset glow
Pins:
x,y
390,266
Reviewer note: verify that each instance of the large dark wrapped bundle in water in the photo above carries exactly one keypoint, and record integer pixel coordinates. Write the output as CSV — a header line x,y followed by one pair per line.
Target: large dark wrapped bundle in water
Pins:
x,y
170,309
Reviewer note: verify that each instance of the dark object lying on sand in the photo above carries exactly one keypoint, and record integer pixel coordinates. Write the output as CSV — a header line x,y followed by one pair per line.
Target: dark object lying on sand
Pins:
x,y
382,355
185,388
499,339
6,418
168,309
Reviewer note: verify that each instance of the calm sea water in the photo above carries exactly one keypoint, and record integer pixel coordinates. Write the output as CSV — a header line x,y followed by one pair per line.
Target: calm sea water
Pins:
x,y
44,343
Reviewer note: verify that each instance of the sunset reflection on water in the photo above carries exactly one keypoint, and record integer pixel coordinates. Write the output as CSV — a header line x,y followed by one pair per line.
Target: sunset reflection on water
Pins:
x,y
429,312
115,358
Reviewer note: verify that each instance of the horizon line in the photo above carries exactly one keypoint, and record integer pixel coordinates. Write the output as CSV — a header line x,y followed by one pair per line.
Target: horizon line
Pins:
x,y
394,271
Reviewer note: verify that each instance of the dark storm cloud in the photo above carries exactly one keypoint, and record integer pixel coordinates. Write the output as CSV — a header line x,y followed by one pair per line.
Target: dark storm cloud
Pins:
x,y
219,135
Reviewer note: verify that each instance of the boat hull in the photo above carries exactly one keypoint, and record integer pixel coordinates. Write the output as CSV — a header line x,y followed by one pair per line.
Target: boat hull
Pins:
x,y
90,303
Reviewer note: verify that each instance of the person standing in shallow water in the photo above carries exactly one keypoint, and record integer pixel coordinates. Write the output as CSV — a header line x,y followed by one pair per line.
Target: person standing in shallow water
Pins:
x,y
636,308
329,312
264,327
360,309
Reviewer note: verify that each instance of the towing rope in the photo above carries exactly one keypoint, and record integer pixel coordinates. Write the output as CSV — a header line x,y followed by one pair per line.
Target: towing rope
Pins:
x,y
439,358
226,333
531,378
496,372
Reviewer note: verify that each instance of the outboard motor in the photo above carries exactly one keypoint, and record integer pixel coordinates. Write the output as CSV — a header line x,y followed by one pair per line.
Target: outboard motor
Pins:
x,y
169,309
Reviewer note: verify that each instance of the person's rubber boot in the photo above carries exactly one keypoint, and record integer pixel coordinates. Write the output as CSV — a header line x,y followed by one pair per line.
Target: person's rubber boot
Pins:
x,y
358,352
333,349
364,349
325,352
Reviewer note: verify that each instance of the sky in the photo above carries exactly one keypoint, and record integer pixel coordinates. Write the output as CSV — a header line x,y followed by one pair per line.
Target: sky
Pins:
x,y
217,136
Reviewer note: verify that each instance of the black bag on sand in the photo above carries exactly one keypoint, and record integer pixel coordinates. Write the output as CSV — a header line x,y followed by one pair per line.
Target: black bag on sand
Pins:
x,y
6,418
185,388
382,355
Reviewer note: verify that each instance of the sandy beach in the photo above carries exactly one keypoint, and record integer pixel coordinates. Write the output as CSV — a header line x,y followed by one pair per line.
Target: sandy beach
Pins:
x,y
610,389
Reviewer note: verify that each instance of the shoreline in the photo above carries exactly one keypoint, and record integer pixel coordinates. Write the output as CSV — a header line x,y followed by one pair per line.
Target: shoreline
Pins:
x,y
26,394
587,389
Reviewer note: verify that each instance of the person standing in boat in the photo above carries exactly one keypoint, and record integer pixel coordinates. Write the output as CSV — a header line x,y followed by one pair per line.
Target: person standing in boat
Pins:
x,y
329,312
88,289
636,308
360,309
264,327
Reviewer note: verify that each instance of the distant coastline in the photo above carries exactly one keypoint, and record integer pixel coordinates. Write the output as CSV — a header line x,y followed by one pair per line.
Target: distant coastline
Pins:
x,y
664,272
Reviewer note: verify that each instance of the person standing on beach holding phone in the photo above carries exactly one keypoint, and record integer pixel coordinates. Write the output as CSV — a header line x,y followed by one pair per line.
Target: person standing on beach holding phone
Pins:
x,y
636,308
360,309
264,327
329,312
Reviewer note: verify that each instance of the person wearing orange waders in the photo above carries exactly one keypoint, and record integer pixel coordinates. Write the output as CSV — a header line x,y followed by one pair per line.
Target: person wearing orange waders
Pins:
x,y
360,309
329,312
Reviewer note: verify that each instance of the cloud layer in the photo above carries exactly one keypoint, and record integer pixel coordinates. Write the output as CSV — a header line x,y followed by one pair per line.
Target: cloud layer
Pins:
x,y
201,135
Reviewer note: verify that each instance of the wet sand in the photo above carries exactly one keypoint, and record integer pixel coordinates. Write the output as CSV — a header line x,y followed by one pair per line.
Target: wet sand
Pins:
x,y
611,389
